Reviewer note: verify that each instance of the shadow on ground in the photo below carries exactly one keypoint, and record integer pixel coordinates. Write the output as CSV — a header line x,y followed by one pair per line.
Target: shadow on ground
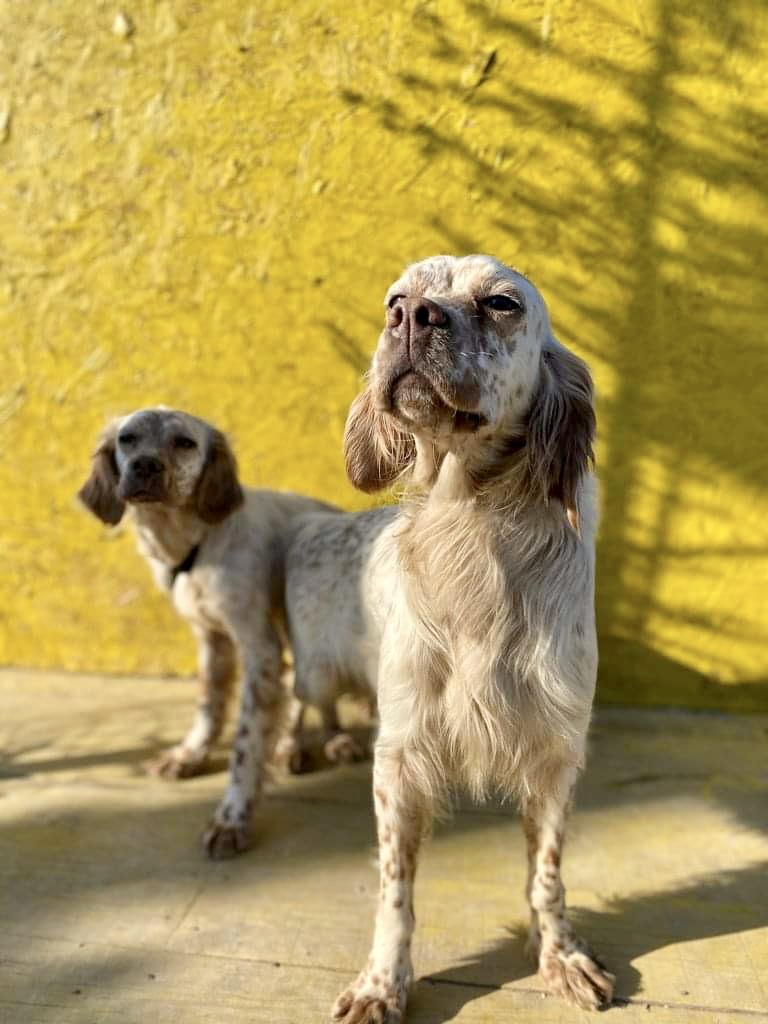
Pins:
x,y
628,930
143,843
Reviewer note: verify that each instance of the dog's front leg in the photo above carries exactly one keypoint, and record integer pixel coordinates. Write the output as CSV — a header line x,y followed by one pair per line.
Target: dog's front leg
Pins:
x,y
217,666
381,990
262,702
567,966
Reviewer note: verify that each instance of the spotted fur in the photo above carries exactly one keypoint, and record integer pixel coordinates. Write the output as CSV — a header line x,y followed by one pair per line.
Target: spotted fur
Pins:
x,y
480,596
178,477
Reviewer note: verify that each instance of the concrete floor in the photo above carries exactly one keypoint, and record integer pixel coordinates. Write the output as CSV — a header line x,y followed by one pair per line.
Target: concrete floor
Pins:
x,y
109,912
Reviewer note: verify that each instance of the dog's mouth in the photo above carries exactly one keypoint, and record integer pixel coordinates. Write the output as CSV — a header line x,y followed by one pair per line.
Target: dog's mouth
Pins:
x,y
143,498
416,401
145,494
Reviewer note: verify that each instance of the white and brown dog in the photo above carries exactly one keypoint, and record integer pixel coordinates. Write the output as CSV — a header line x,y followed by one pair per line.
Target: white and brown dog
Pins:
x,y
477,618
219,550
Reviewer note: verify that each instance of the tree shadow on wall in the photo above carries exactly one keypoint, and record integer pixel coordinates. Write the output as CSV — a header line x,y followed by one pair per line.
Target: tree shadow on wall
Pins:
x,y
648,174
674,684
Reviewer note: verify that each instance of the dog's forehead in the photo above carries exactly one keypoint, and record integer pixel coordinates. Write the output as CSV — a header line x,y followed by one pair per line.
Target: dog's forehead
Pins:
x,y
463,277
431,275
159,423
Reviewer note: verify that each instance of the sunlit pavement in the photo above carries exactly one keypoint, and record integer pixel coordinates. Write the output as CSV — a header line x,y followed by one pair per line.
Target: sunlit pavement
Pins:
x,y
111,913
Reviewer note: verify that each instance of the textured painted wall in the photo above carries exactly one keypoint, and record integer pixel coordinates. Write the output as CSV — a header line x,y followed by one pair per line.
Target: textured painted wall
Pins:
x,y
202,204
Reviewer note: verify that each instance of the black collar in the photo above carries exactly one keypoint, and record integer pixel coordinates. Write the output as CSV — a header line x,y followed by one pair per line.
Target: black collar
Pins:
x,y
187,565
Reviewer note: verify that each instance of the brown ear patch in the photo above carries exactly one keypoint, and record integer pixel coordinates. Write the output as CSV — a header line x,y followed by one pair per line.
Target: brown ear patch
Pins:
x,y
99,492
376,451
561,426
218,491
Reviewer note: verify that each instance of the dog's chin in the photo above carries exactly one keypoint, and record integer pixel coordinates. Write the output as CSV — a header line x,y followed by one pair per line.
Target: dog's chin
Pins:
x,y
416,404
142,497
419,406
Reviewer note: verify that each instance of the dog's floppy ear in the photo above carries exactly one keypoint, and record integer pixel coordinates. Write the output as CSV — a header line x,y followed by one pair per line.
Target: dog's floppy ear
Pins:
x,y
561,427
218,491
99,492
376,451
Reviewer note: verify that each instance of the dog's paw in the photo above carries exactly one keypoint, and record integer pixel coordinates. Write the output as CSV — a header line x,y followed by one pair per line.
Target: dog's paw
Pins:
x,y
176,763
291,755
578,977
378,996
221,841
343,749
301,762
369,1002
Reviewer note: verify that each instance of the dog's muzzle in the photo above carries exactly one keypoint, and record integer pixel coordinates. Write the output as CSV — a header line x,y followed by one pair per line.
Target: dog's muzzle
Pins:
x,y
143,480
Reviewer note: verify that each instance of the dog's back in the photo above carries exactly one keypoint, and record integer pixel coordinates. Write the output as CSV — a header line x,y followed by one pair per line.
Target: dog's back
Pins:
x,y
276,517
334,638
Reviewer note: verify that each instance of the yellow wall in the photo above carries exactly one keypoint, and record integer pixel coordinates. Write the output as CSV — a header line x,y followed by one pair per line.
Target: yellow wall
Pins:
x,y
206,212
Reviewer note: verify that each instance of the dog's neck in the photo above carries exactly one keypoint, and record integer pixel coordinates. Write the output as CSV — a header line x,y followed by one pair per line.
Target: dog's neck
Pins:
x,y
494,473
167,535
491,471
486,488
467,554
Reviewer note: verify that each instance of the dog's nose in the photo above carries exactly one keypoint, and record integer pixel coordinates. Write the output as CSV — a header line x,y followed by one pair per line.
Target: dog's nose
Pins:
x,y
417,315
145,466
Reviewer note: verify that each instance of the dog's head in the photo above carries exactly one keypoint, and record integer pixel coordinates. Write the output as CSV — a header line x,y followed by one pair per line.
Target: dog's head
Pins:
x,y
162,457
467,363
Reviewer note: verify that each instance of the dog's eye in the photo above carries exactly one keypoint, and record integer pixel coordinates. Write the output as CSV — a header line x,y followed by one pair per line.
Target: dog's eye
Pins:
x,y
127,438
393,299
502,304
184,442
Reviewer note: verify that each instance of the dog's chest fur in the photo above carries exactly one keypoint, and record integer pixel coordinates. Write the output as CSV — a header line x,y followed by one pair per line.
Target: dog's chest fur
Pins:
x,y
197,602
500,649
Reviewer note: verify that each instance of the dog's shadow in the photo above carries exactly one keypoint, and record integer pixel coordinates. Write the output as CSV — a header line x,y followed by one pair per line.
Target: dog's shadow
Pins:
x,y
727,902
138,761
440,996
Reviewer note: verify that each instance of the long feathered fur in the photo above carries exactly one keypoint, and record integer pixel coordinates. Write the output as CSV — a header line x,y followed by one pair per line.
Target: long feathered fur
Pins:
x,y
501,634
494,595
482,594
